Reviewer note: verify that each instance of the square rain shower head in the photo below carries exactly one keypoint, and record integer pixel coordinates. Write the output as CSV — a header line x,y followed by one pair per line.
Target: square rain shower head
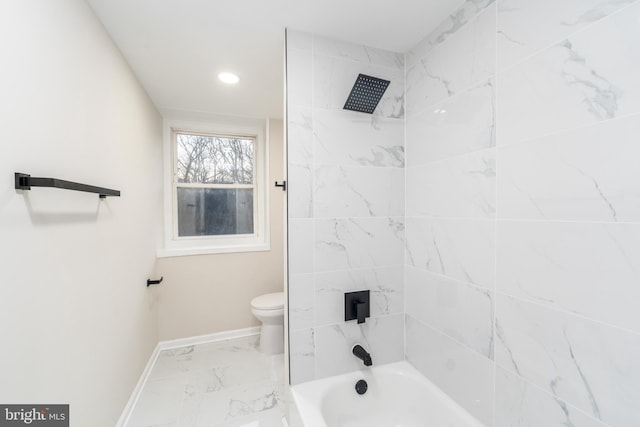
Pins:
x,y
366,94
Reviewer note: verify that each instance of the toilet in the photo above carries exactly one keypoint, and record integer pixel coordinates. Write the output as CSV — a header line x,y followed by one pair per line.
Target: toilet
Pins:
x,y
269,309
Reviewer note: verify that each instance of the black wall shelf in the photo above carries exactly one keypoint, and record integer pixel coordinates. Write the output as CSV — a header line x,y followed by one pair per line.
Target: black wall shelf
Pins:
x,y
24,181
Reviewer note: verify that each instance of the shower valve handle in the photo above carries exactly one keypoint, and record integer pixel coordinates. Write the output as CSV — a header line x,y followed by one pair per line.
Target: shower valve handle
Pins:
x,y
361,311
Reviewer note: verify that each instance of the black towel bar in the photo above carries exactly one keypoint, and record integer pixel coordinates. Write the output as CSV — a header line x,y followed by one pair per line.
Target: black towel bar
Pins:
x,y
24,181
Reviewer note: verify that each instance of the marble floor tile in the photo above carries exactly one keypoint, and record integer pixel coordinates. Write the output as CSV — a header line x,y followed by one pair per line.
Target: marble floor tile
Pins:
x,y
219,384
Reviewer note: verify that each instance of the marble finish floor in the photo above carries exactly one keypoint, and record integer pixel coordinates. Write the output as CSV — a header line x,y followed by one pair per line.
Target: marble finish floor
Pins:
x,y
220,384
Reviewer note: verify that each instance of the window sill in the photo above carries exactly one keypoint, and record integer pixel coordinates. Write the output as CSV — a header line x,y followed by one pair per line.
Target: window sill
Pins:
x,y
176,252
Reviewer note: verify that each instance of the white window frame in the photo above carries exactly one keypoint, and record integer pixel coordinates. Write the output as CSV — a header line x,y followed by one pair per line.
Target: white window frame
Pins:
x,y
198,245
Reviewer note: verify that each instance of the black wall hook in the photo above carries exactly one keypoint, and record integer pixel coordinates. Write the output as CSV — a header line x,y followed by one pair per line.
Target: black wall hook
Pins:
x,y
154,282
283,185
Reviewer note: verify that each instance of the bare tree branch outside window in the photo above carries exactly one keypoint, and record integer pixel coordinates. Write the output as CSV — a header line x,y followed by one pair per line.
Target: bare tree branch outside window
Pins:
x,y
214,159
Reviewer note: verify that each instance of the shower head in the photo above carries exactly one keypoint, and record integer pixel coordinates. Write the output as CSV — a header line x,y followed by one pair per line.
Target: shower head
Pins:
x,y
366,94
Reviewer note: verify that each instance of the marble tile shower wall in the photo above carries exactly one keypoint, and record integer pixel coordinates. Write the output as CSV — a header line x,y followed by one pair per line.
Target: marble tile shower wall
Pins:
x,y
346,206
523,211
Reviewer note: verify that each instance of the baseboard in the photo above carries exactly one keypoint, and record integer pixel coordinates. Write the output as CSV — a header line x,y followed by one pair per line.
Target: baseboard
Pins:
x,y
169,344
202,339
135,394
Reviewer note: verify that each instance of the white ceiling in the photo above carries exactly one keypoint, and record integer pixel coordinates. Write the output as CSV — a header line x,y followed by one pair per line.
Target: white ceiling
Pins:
x,y
177,47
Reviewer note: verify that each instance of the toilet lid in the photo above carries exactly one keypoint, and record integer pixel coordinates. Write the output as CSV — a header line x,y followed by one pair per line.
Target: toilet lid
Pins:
x,y
272,301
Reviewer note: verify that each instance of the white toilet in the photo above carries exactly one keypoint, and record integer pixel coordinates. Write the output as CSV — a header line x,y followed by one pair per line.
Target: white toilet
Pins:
x,y
269,309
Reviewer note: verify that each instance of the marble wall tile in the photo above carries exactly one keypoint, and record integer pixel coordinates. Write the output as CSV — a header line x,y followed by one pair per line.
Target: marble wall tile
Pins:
x,y
467,58
302,357
299,77
458,310
463,374
576,366
458,125
587,78
460,249
355,139
589,269
299,134
460,187
454,22
300,190
358,53
588,174
519,403
334,77
520,21
587,364
386,286
301,244
342,191
382,337
301,301
346,193
358,243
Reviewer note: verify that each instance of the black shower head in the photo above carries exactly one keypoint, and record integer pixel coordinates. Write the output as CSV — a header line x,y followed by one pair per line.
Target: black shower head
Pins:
x,y
366,94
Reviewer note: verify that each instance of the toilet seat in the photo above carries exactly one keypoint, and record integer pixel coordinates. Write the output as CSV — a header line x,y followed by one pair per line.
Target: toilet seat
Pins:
x,y
274,301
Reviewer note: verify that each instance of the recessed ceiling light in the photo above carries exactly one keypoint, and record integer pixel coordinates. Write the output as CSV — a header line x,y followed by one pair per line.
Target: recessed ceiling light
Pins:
x,y
228,78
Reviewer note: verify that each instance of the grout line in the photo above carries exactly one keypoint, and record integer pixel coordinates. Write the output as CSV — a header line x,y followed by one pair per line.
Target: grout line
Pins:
x,y
349,113
561,132
314,329
450,158
317,165
494,326
515,220
567,313
457,281
464,90
343,323
477,84
405,210
429,36
551,45
454,340
528,383
361,62
450,218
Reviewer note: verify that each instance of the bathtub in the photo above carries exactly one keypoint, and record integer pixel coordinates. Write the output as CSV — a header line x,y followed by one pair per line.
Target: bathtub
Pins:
x,y
397,396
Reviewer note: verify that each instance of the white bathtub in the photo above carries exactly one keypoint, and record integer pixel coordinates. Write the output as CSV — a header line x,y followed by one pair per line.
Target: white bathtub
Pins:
x,y
397,396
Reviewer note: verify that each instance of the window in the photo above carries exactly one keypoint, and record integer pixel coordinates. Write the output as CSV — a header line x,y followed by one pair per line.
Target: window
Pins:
x,y
217,191
214,184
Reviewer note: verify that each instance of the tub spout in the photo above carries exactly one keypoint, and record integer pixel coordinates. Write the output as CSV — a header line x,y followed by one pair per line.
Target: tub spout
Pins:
x,y
362,354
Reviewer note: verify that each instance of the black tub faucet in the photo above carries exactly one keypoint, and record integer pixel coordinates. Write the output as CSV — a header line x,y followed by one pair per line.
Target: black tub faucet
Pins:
x,y
362,354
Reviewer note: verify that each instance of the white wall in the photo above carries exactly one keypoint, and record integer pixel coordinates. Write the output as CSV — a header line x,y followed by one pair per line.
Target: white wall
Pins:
x,y
346,206
523,211
205,294
77,322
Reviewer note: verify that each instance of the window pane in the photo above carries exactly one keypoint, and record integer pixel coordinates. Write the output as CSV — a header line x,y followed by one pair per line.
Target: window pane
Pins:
x,y
213,211
214,159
